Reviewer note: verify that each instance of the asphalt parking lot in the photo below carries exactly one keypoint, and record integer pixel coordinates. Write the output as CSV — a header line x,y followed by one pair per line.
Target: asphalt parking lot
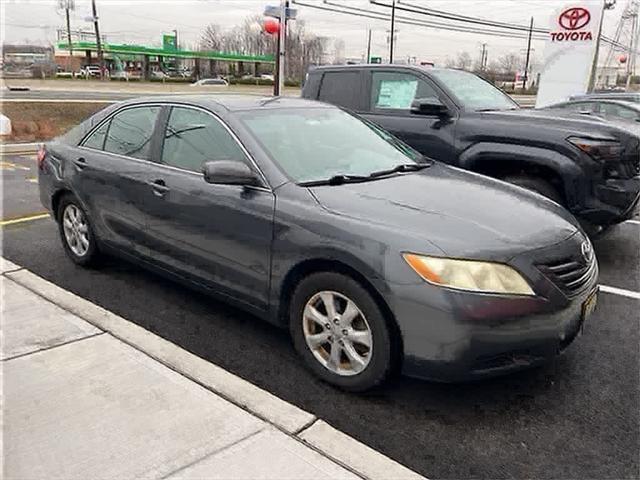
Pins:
x,y
575,418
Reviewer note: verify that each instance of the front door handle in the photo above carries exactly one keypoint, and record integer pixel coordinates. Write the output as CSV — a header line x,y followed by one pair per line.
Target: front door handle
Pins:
x,y
80,163
159,187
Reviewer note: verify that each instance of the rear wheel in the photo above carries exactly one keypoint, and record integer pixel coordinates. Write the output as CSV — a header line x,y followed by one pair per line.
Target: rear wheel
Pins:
x,y
340,331
537,185
76,232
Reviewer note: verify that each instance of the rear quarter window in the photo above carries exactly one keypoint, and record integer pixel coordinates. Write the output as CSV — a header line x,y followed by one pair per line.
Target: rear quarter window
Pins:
x,y
341,88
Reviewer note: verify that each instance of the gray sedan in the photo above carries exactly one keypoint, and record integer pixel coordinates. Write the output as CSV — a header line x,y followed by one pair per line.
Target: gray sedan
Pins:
x,y
375,258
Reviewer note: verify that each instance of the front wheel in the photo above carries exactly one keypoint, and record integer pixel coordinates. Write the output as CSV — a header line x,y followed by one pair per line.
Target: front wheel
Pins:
x,y
340,331
78,238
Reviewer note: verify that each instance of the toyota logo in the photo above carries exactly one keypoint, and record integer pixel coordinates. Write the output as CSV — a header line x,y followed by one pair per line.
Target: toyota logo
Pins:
x,y
574,18
586,250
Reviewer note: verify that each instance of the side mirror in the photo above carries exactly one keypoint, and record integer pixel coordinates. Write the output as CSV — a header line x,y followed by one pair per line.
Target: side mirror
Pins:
x,y
429,106
229,172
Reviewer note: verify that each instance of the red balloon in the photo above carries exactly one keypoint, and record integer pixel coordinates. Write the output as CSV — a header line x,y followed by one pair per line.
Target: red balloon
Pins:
x,y
622,59
271,26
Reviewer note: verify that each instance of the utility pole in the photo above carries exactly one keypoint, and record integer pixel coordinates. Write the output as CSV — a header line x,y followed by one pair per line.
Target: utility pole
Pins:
x,y
393,27
98,41
608,5
279,85
526,63
67,5
482,56
369,48
633,45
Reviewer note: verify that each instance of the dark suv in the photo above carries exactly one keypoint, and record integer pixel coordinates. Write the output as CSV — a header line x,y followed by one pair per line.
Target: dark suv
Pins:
x,y
593,169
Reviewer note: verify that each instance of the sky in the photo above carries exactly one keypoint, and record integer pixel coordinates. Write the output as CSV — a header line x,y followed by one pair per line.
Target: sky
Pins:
x,y
143,22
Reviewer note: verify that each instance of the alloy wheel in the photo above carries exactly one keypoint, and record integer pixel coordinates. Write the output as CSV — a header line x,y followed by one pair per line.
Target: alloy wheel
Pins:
x,y
337,333
76,230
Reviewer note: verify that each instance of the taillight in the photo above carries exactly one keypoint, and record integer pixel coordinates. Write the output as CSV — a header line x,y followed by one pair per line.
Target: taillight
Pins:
x,y
42,153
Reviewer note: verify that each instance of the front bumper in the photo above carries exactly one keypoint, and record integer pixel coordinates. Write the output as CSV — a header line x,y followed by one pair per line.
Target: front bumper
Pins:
x,y
451,335
485,335
613,202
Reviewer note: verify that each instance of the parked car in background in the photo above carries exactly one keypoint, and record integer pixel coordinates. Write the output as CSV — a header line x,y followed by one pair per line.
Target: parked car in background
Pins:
x,y
591,168
609,109
623,96
375,258
211,82
90,71
268,76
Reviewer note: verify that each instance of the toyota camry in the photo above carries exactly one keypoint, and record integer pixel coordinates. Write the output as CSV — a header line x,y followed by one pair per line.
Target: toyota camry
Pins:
x,y
374,257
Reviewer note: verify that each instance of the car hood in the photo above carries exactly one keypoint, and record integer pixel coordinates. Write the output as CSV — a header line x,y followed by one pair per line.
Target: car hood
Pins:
x,y
462,213
568,122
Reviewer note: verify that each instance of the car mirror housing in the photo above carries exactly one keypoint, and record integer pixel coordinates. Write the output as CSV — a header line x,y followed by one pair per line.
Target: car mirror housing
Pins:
x,y
429,106
229,172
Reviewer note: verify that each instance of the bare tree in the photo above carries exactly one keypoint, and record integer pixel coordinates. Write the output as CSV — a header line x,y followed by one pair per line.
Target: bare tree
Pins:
x,y
303,49
464,60
509,63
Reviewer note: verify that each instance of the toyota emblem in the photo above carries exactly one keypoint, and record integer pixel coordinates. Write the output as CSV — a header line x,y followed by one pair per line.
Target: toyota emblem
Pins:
x,y
586,250
574,18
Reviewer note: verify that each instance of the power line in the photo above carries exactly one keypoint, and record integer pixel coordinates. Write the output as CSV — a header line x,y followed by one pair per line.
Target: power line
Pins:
x,y
405,20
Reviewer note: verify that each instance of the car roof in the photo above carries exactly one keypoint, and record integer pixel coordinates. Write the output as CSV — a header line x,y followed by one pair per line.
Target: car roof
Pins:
x,y
612,101
607,95
231,103
381,66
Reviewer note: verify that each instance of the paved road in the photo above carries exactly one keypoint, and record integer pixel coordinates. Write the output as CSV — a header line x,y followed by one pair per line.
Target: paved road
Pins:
x,y
71,94
575,418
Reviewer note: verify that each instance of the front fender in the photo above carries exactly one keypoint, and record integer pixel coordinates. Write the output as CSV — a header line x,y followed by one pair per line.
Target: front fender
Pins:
x,y
570,173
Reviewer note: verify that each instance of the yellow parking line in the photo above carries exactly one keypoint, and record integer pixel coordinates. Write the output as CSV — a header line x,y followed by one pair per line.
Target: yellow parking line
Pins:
x,y
27,218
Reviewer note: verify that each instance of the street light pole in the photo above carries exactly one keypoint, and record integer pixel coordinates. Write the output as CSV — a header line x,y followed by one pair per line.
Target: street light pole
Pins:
x,y
369,48
98,41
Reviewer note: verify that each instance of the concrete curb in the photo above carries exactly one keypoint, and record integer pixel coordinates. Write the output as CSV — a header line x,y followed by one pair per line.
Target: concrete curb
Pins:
x,y
17,148
292,420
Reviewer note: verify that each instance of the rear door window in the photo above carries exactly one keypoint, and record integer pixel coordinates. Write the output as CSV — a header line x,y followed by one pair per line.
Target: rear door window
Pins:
x,y
397,90
96,139
341,88
193,137
130,132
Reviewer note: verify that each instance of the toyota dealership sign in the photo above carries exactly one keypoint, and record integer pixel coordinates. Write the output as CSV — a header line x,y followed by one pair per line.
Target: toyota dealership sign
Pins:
x,y
569,53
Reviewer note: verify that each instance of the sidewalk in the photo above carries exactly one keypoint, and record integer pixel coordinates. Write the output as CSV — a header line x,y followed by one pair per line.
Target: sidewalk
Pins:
x,y
87,394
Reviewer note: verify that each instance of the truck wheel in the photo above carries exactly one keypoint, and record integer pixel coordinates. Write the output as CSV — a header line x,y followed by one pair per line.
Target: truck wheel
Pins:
x,y
537,185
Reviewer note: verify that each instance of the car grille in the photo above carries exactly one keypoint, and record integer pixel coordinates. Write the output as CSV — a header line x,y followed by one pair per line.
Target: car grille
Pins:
x,y
572,274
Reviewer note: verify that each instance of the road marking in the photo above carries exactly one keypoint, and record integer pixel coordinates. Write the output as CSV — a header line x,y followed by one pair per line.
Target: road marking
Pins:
x,y
635,222
620,291
27,218
12,166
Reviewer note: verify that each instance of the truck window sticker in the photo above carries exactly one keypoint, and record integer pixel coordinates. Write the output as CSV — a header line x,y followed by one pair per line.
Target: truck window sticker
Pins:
x,y
397,93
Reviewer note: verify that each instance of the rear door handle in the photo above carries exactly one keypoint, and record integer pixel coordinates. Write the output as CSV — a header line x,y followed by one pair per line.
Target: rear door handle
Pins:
x,y
159,187
80,163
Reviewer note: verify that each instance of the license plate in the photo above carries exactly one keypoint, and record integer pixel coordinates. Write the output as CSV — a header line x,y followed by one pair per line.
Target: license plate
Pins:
x,y
589,306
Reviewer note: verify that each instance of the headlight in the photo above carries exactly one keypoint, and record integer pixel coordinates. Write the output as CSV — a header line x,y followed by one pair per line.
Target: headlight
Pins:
x,y
469,275
602,150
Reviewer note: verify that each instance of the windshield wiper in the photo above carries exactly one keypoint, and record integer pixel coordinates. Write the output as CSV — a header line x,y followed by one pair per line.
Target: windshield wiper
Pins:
x,y
336,180
347,178
403,167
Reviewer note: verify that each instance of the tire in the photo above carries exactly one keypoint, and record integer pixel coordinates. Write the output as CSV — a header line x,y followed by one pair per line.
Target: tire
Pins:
x,y
537,185
350,338
80,252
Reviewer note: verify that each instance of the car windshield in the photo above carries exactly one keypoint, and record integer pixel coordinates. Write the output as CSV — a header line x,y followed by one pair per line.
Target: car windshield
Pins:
x,y
473,92
315,144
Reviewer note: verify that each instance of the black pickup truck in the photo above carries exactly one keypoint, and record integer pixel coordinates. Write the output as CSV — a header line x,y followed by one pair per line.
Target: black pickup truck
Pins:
x,y
592,168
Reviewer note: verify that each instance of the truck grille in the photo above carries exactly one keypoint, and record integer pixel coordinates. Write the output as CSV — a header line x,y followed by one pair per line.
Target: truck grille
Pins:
x,y
572,274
